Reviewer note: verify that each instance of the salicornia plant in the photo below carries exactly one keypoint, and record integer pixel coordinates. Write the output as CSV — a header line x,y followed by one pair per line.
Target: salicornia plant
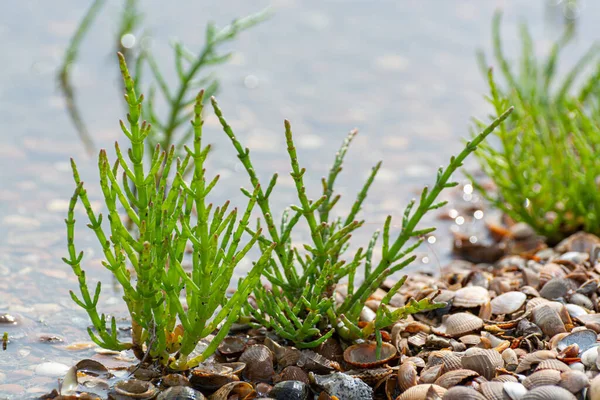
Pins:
x,y
544,163
168,215
301,304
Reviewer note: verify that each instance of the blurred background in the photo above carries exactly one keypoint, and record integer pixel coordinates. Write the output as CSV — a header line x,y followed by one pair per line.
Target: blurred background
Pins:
x,y
403,72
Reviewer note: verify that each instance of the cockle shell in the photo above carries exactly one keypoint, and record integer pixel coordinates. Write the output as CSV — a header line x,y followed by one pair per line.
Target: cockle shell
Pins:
x,y
508,303
460,324
421,392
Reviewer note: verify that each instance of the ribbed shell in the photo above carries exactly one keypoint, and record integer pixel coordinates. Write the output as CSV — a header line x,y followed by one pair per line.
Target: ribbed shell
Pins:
x,y
453,378
462,393
534,358
461,323
471,296
553,364
549,393
542,378
407,376
419,392
494,391
259,363
451,362
548,320
484,362
574,381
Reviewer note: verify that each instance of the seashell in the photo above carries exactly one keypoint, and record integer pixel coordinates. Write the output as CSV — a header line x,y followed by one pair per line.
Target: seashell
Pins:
x,y
462,393
422,392
291,373
505,378
418,361
581,300
583,338
553,364
557,287
259,363
542,378
331,349
243,390
181,393
577,366
460,324
470,340
514,390
290,390
485,311
574,381
311,361
482,361
93,368
342,386
407,376
588,287
370,376
367,315
363,355
589,318
508,303
263,389
531,304
494,391
510,359
471,296
284,355
551,271
419,339
232,346
581,241
594,390
548,320
575,311
548,393
174,380
451,362
211,376
589,358
430,374
437,357
134,389
455,377
531,359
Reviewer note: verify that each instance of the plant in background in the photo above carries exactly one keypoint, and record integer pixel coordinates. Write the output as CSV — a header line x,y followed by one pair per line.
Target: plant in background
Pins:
x,y
190,67
168,214
301,304
544,166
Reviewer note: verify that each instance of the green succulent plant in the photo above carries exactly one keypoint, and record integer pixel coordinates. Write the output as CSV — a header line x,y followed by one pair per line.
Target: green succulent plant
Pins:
x,y
169,216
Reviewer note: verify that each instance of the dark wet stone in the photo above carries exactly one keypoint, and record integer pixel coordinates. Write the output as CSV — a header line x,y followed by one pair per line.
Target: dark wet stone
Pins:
x,y
7,319
50,339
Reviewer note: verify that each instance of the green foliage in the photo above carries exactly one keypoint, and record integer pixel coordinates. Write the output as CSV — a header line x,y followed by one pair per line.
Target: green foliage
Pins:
x,y
168,215
301,304
544,166
170,127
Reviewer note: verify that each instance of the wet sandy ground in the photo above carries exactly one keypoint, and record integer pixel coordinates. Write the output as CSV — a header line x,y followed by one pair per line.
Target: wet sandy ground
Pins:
x,y
404,73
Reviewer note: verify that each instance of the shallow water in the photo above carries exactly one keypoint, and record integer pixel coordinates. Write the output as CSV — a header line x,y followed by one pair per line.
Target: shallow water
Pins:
x,y
404,73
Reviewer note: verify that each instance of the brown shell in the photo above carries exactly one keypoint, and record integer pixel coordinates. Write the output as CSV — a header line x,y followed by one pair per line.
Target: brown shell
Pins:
x,y
284,355
451,362
494,391
505,378
407,376
463,393
211,376
420,392
291,373
553,364
548,320
557,287
484,362
471,296
470,340
510,359
232,346
311,361
259,363
135,389
531,359
460,324
453,378
574,381
363,355
430,374
549,393
508,303
243,390
370,376
542,378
